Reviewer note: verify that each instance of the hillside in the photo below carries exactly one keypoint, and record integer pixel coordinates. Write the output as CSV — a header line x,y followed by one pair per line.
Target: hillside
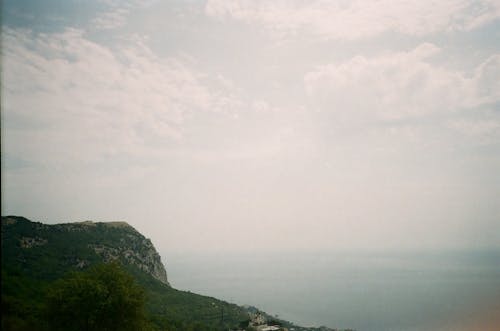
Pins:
x,y
34,255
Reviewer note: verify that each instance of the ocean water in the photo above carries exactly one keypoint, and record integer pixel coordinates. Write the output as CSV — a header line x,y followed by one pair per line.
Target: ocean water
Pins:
x,y
362,291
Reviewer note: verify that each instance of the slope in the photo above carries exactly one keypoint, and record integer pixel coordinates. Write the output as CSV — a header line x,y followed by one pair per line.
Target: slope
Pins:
x,y
35,254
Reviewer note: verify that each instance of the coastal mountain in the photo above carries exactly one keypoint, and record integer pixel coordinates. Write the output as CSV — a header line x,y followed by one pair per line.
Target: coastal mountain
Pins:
x,y
62,247
35,255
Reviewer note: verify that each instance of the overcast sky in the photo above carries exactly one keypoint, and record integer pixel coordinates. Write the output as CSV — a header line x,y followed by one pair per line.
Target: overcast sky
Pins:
x,y
257,125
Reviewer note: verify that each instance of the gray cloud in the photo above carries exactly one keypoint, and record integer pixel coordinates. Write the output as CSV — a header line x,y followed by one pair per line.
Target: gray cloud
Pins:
x,y
357,19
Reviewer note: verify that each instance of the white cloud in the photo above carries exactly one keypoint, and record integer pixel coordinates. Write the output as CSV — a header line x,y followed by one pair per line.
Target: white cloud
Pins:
x,y
227,125
117,14
358,19
487,80
399,85
110,20
86,100
486,131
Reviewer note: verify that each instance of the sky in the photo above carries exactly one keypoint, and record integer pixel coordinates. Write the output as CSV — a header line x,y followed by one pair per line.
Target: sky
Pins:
x,y
257,126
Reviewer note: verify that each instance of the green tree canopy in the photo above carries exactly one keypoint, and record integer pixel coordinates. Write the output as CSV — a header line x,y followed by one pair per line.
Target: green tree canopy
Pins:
x,y
104,298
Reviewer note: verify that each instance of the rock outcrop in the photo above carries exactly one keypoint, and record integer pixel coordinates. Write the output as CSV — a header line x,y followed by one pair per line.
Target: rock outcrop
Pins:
x,y
82,244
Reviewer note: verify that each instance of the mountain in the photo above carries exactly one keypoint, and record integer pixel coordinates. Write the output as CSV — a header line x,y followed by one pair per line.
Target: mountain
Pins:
x,y
34,255
51,250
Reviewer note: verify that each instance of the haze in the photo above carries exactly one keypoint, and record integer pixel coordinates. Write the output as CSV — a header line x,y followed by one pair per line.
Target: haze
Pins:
x,y
257,126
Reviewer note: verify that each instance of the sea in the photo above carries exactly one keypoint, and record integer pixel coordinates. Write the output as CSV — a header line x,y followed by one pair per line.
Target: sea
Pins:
x,y
364,291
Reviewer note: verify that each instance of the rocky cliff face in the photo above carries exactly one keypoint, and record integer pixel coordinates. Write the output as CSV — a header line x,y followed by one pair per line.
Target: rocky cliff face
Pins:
x,y
78,245
134,249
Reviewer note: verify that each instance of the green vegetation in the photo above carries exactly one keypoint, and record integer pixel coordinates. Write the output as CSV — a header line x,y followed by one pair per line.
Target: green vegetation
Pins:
x,y
104,298
40,260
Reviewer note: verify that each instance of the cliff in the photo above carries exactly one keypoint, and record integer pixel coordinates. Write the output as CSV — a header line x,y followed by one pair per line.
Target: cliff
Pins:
x,y
77,246
35,255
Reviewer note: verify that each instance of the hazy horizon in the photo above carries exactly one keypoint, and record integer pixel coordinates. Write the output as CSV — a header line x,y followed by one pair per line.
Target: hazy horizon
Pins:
x,y
377,292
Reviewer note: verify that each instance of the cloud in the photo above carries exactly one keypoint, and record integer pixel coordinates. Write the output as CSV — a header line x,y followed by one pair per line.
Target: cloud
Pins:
x,y
486,131
399,85
110,20
487,82
350,20
67,98
117,14
104,124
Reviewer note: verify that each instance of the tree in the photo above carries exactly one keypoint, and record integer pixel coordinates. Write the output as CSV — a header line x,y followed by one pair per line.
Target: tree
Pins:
x,y
104,298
